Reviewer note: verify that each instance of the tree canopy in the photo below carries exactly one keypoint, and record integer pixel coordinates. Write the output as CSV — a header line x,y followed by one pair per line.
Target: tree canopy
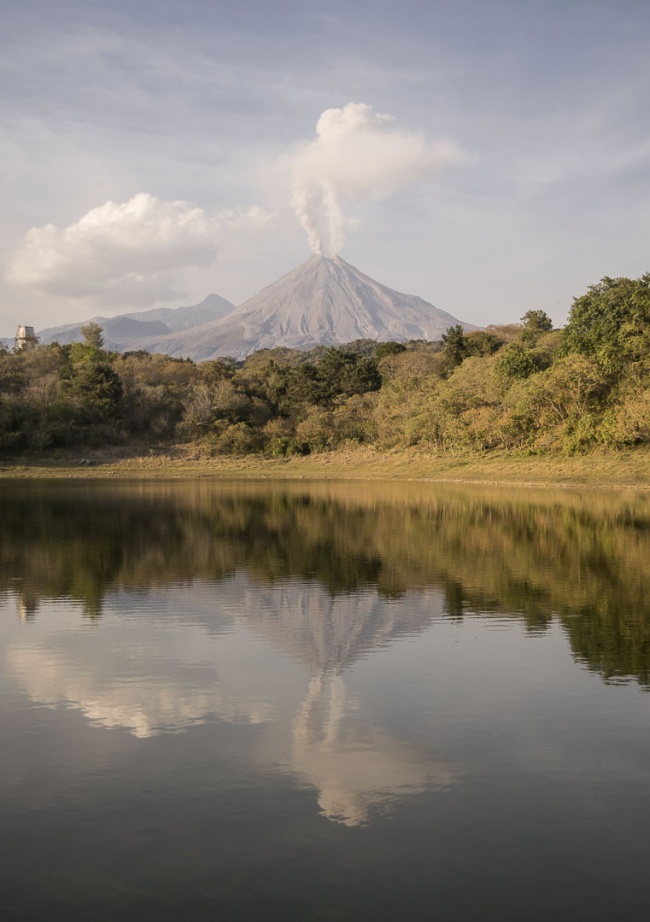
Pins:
x,y
611,323
520,387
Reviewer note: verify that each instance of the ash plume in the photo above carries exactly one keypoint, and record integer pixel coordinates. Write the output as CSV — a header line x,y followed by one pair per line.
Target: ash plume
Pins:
x,y
357,155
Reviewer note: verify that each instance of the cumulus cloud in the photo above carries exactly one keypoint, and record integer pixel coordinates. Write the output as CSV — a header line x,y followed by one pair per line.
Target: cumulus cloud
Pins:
x,y
124,251
357,155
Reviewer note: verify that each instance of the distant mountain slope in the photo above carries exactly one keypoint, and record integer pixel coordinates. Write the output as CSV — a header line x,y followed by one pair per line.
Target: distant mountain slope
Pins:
x,y
139,329
183,318
120,333
323,301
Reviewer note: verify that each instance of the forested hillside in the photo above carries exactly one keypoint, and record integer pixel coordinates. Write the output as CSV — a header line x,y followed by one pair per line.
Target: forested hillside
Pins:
x,y
523,387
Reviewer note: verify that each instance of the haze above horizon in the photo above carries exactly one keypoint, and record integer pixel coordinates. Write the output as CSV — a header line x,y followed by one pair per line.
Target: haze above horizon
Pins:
x,y
489,157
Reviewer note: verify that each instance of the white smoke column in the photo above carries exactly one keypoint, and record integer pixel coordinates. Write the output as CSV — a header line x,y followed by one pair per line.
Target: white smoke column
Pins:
x,y
125,251
334,217
357,155
303,205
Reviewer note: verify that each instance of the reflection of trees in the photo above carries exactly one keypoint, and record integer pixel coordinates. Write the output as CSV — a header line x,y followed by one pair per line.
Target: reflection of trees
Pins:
x,y
536,557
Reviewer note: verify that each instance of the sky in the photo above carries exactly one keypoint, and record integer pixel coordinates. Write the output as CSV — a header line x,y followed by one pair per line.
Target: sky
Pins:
x,y
490,156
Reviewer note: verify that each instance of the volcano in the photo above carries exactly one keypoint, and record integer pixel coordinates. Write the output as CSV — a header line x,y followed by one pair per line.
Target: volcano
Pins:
x,y
323,301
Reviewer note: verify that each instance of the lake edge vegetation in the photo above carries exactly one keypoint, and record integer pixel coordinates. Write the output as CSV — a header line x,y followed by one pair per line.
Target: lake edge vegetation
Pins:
x,y
515,389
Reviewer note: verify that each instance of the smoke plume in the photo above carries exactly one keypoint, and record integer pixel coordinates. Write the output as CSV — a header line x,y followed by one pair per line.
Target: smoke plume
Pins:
x,y
124,251
357,155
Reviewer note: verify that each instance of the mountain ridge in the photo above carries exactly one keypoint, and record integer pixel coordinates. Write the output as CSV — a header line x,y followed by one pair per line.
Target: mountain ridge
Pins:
x,y
322,301
130,331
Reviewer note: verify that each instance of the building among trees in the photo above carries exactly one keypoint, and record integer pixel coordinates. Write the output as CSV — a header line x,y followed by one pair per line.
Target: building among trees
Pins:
x,y
25,336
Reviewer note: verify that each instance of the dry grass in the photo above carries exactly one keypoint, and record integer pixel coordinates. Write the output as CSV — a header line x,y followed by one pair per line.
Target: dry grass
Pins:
x,y
599,471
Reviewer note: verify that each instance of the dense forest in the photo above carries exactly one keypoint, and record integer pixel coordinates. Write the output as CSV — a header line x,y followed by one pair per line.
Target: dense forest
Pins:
x,y
521,387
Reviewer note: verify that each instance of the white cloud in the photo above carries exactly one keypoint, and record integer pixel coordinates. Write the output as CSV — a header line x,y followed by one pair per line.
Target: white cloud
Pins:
x,y
358,155
125,251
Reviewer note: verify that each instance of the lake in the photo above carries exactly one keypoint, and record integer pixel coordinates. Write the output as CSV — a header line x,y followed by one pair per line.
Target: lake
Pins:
x,y
297,701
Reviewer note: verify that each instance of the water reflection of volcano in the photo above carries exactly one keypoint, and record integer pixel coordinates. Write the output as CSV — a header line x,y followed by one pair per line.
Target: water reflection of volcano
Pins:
x,y
153,666
358,769
328,634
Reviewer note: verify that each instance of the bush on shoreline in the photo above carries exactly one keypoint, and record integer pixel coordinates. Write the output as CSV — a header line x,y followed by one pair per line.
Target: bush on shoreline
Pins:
x,y
521,387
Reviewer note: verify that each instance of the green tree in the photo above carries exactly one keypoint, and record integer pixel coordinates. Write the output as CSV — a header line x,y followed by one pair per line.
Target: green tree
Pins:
x,y
455,345
537,322
93,335
389,348
482,342
514,362
98,388
343,373
611,323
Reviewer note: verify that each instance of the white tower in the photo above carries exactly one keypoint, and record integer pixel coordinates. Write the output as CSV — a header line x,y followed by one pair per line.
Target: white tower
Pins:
x,y
24,336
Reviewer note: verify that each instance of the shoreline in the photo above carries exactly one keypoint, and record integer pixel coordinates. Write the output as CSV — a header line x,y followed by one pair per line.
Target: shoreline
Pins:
x,y
624,470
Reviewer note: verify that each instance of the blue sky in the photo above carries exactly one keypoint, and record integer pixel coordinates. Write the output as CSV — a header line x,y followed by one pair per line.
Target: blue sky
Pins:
x,y
212,105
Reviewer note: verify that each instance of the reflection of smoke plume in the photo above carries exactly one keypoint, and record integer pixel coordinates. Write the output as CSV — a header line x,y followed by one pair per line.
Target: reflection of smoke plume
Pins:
x,y
357,155
356,773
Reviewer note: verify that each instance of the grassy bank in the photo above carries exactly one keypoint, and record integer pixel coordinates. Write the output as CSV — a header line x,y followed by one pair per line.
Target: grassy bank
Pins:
x,y
607,470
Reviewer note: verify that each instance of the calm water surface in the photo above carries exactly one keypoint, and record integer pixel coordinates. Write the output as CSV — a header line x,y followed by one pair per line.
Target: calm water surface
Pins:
x,y
323,702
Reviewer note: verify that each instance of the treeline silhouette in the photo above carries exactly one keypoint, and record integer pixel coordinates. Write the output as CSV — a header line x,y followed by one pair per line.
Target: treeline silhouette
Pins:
x,y
522,387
